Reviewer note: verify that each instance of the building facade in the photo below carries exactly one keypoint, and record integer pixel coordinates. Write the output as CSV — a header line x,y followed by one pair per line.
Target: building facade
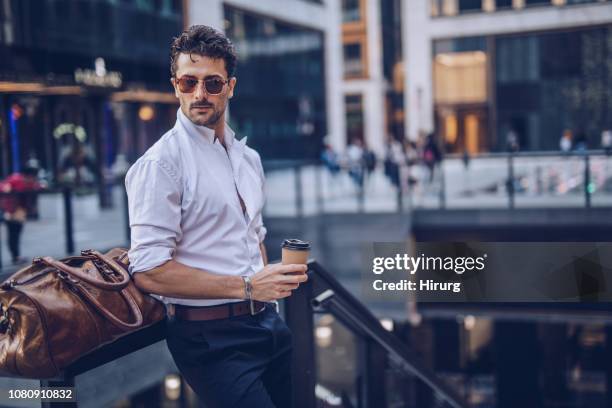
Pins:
x,y
84,84
288,99
373,72
483,72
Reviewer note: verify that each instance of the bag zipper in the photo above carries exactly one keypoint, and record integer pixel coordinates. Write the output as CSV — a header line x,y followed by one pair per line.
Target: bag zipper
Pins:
x,y
12,283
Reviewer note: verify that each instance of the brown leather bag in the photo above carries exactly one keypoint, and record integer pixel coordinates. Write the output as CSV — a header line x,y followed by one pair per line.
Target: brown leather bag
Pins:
x,y
55,311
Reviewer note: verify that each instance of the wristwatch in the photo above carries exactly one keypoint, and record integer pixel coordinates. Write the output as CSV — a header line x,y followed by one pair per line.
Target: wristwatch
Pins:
x,y
248,287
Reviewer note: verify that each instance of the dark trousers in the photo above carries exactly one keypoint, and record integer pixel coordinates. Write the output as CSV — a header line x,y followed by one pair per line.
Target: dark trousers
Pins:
x,y
242,361
14,234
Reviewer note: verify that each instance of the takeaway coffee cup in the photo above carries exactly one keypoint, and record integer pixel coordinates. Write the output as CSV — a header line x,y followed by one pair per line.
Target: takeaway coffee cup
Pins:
x,y
295,251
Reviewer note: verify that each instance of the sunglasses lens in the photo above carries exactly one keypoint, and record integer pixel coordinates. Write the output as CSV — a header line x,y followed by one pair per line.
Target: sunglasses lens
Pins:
x,y
187,85
214,85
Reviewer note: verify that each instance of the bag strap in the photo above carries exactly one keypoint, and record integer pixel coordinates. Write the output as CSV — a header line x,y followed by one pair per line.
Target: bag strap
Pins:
x,y
119,286
78,274
133,307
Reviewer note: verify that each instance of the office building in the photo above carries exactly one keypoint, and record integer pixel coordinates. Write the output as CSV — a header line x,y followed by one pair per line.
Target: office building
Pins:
x,y
288,99
84,82
373,72
480,72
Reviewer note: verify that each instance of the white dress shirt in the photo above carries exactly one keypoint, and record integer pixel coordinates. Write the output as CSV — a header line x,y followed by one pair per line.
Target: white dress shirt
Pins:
x,y
183,205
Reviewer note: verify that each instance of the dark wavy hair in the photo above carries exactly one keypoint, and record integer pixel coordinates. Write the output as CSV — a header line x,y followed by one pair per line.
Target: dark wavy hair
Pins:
x,y
205,41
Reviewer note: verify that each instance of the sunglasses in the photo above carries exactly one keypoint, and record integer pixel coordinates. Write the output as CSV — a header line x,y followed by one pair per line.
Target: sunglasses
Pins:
x,y
213,84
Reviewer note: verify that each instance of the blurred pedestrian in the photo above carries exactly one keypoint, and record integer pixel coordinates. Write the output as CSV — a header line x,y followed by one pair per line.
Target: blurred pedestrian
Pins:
x,y
409,171
606,141
581,141
18,189
512,141
465,158
394,157
354,161
330,160
369,159
565,143
431,155
78,166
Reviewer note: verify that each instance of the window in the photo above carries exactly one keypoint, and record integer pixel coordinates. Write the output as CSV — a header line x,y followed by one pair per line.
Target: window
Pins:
x,y
537,2
460,77
503,4
354,118
352,60
350,10
470,5
444,7
276,118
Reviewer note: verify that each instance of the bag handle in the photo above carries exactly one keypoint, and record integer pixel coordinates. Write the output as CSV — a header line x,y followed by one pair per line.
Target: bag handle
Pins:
x,y
133,306
78,274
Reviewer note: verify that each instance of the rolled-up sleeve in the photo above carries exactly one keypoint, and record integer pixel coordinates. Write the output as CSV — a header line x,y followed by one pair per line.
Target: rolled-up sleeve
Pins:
x,y
154,204
260,229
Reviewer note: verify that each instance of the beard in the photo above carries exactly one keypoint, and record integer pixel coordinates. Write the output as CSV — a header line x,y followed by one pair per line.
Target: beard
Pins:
x,y
209,119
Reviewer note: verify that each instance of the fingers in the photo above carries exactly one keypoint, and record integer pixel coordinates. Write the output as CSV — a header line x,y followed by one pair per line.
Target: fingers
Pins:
x,y
291,268
283,294
295,279
291,286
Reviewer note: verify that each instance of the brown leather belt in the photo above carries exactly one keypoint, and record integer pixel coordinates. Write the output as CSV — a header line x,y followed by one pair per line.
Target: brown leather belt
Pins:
x,y
223,311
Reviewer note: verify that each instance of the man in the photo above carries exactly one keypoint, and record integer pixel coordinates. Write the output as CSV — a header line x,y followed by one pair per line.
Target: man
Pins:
x,y
195,201
16,204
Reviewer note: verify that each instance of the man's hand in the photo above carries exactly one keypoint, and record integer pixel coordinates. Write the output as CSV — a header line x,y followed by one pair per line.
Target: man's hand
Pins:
x,y
273,281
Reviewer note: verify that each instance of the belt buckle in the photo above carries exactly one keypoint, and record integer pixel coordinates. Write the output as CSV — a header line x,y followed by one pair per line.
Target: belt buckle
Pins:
x,y
252,307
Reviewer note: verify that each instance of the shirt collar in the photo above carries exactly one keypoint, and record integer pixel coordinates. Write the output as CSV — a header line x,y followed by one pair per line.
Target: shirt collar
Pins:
x,y
206,134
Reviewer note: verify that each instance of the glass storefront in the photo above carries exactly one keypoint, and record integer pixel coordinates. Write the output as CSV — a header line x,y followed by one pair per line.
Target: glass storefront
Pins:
x,y
547,83
439,8
526,89
74,78
510,362
279,102
461,94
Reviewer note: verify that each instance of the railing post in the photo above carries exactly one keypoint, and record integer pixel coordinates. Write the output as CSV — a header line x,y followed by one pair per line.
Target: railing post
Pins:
x,y
299,198
400,199
510,182
361,195
299,318
373,364
587,181
68,226
319,169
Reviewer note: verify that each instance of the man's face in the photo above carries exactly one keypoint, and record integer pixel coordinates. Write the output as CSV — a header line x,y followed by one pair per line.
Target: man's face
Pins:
x,y
202,108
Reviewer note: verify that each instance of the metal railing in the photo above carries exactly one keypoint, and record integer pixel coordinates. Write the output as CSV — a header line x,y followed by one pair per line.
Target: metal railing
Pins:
x,y
117,349
322,293
552,178
488,180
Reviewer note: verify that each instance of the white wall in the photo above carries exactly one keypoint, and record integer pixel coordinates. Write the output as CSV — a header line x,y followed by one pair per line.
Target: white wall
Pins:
x,y
326,18
374,91
420,30
373,88
418,100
